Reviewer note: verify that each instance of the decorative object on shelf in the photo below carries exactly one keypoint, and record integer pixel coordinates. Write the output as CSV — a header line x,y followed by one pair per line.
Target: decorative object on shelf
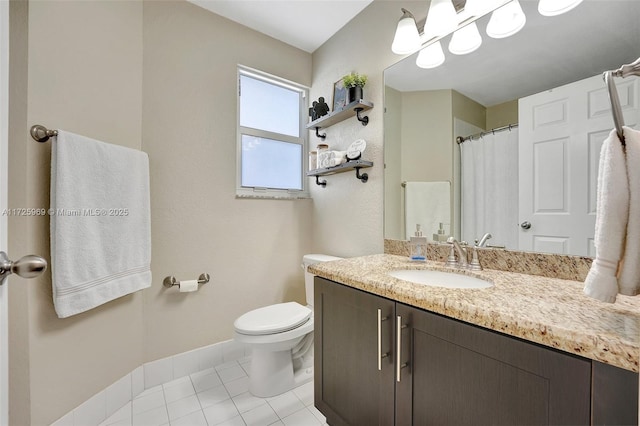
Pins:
x,y
339,96
313,160
321,148
354,83
354,108
355,150
353,155
318,109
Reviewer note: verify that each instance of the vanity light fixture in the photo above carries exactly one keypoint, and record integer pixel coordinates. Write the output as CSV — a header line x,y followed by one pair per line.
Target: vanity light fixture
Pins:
x,y
431,56
407,38
506,20
458,18
556,7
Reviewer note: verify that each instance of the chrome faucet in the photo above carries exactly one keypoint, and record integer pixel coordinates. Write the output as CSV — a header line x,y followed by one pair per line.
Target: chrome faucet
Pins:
x,y
483,240
462,262
456,246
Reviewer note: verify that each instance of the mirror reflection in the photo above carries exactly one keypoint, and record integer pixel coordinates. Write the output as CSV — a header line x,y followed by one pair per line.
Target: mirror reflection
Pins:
x,y
530,184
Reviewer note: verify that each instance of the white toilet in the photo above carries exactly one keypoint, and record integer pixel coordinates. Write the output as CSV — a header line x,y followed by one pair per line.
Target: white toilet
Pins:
x,y
281,340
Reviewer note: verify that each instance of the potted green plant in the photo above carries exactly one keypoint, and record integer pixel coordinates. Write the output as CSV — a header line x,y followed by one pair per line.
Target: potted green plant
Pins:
x,y
354,83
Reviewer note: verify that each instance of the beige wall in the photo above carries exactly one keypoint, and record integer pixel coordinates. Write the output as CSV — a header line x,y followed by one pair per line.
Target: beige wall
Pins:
x,y
84,74
348,214
79,66
393,192
251,248
502,114
427,126
468,110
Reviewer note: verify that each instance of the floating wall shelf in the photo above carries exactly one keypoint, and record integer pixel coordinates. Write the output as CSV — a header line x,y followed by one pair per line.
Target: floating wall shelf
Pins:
x,y
348,166
354,108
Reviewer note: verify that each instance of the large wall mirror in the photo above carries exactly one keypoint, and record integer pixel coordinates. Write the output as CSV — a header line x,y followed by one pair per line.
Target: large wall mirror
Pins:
x,y
531,184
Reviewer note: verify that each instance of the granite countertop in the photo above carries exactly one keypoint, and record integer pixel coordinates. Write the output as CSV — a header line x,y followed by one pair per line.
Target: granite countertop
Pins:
x,y
549,311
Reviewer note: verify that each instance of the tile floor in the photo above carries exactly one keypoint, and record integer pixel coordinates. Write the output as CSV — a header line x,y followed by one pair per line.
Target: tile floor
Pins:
x,y
217,396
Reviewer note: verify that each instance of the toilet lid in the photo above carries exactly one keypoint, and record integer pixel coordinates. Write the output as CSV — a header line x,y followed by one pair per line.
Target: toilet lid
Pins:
x,y
273,319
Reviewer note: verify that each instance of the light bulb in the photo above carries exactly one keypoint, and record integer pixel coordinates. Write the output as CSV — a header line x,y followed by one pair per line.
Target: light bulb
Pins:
x,y
431,56
556,7
407,39
480,7
465,40
442,18
506,21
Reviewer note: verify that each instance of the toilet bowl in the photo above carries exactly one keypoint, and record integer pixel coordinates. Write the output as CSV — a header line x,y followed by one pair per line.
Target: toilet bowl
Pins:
x,y
280,337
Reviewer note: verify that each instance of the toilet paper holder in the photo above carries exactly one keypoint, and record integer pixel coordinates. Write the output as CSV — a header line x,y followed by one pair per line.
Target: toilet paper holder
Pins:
x,y
171,281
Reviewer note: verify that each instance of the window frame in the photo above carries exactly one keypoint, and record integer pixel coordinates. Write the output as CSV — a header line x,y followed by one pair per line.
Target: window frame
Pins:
x,y
272,193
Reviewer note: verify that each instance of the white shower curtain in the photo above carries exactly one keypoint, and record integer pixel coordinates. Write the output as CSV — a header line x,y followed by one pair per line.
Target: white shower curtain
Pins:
x,y
489,170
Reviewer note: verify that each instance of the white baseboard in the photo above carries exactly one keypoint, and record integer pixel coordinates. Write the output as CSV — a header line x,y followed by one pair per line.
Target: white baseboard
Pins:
x,y
102,405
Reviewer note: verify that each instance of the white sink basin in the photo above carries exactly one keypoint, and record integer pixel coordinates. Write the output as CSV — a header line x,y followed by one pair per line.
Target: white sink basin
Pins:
x,y
440,279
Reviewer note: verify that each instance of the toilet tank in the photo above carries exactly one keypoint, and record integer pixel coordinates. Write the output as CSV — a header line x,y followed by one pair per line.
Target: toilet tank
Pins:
x,y
310,259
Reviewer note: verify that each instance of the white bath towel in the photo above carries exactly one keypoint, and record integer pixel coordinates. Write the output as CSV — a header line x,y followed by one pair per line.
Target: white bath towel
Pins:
x,y
612,212
100,222
629,278
427,204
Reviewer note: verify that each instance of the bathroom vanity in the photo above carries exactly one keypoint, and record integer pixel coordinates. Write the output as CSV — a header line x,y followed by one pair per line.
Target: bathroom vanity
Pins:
x,y
528,350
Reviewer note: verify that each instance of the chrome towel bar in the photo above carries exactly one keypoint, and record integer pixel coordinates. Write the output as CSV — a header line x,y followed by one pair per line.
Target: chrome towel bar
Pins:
x,y
632,69
171,281
42,134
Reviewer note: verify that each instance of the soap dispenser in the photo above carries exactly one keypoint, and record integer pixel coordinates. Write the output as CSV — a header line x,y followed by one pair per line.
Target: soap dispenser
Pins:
x,y
418,246
440,236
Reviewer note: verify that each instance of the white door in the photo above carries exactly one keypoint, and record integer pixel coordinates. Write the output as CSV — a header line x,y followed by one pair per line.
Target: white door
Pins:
x,y
561,133
4,124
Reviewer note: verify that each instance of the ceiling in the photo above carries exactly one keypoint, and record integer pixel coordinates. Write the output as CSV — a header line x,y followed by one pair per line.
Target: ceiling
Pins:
x,y
305,24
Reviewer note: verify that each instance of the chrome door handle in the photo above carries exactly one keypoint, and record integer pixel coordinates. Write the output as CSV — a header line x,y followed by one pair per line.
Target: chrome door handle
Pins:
x,y
525,225
380,354
399,328
27,267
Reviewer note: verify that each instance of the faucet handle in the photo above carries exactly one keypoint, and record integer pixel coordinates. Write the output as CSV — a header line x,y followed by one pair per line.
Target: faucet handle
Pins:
x,y
474,265
451,260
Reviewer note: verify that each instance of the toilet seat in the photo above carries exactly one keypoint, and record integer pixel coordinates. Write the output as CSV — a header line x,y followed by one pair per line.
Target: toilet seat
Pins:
x,y
273,319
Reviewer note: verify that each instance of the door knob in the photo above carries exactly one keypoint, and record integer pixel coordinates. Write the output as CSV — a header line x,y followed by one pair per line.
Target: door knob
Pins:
x,y
27,267
525,225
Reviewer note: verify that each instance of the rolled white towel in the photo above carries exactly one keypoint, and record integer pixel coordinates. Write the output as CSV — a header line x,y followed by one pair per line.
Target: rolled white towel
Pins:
x,y
331,158
336,161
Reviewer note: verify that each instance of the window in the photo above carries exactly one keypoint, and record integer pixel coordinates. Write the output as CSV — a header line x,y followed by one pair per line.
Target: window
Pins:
x,y
271,136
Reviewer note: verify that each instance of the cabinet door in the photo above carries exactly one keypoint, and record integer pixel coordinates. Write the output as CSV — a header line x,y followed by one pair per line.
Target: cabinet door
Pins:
x,y
615,395
349,388
460,374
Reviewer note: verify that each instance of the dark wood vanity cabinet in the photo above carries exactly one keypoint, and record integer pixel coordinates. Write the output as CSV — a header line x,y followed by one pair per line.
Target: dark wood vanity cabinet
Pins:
x,y
380,362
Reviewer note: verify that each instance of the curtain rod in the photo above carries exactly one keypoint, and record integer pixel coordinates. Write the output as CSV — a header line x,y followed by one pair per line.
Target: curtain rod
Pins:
x,y
460,139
